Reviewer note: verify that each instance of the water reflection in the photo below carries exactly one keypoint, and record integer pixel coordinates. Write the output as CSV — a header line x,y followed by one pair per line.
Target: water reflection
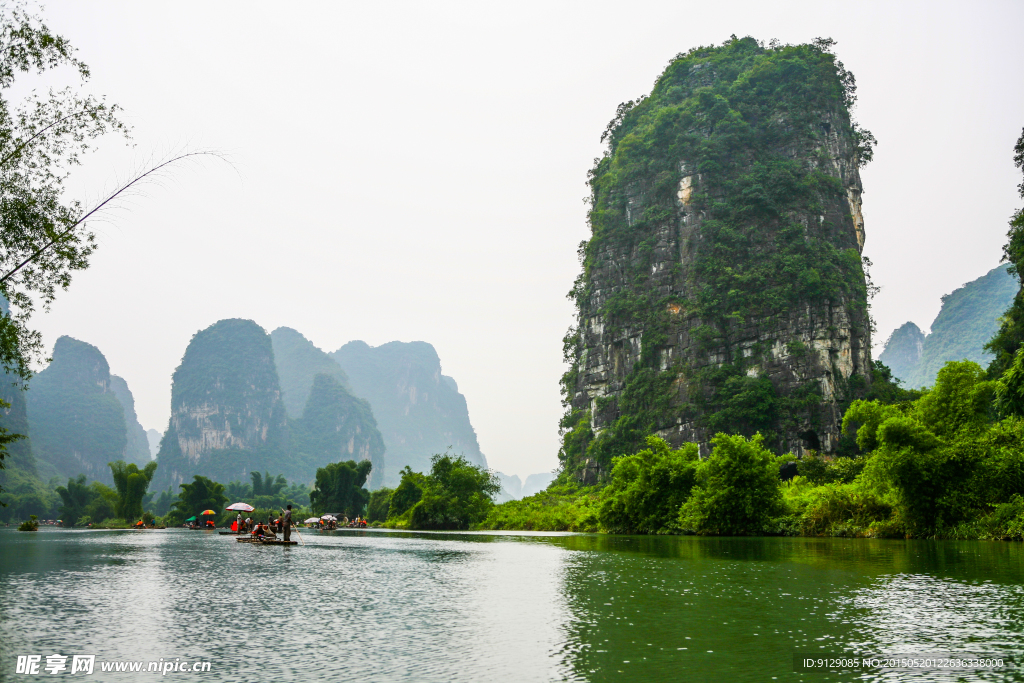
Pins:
x,y
375,606
659,609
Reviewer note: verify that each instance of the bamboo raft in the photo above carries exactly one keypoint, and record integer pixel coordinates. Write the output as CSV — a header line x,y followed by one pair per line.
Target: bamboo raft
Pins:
x,y
266,541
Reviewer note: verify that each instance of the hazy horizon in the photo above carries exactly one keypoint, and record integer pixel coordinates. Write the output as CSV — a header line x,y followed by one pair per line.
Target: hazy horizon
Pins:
x,y
412,172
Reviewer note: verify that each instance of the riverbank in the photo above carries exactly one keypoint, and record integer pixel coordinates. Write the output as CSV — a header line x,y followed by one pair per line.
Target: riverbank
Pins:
x,y
811,511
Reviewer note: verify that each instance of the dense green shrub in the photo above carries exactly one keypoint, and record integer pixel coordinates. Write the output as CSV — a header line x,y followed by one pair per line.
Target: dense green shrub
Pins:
x,y
380,504
737,490
455,495
408,492
941,459
648,488
339,488
818,470
200,494
562,507
833,509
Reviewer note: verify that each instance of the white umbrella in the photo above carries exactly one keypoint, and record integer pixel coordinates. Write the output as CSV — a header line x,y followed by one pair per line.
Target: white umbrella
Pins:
x,y
241,507
312,520
330,518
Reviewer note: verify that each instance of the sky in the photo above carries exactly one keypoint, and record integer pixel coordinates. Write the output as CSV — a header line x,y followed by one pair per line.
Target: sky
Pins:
x,y
416,171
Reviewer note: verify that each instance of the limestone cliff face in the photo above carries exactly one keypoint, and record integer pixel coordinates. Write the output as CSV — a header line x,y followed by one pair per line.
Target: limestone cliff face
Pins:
x,y
298,362
722,287
419,411
227,416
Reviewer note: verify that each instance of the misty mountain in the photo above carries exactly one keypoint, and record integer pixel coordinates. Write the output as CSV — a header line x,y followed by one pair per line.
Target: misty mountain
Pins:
x,y
419,411
137,448
153,437
76,421
969,318
298,361
229,414
535,483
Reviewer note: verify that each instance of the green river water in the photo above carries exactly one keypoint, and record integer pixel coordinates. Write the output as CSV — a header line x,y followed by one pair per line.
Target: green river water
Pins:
x,y
373,606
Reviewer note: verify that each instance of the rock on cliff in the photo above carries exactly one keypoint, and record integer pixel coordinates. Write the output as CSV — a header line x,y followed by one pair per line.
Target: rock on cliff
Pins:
x,y
968,319
722,286
227,416
419,411
76,421
328,423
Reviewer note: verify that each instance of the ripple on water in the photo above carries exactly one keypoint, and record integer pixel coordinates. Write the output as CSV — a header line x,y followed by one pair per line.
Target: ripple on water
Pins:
x,y
380,607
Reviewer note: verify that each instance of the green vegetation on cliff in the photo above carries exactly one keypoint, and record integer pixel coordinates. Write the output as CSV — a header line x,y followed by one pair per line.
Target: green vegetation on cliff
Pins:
x,y
24,493
335,425
721,210
1011,331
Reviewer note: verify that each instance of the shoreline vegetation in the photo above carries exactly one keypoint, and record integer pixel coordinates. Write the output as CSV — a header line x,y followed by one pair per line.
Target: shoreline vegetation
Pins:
x,y
943,466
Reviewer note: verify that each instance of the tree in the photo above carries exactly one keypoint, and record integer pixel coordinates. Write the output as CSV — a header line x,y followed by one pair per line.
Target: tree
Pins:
x,y
131,484
648,488
76,496
41,139
455,495
1010,337
339,488
737,491
380,504
266,485
408,493
44,237
201,494
1010,388
940,458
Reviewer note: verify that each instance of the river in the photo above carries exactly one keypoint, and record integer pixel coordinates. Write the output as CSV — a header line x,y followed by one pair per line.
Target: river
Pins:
x,y
372,606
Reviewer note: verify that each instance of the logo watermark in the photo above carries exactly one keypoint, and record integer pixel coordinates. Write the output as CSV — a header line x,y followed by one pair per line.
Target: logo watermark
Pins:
x,y
57,664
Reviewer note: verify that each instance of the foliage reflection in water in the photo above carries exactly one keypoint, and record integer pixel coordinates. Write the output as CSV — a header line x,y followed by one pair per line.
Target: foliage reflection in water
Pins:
x,y
376,606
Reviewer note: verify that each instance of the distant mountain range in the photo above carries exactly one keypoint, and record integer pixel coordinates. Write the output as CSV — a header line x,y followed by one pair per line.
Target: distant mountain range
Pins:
x,y
420,411
245,401
512,488
969,318
242,401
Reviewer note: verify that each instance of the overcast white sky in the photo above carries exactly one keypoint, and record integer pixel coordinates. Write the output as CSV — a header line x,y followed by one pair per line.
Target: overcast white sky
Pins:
x,y
415,171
